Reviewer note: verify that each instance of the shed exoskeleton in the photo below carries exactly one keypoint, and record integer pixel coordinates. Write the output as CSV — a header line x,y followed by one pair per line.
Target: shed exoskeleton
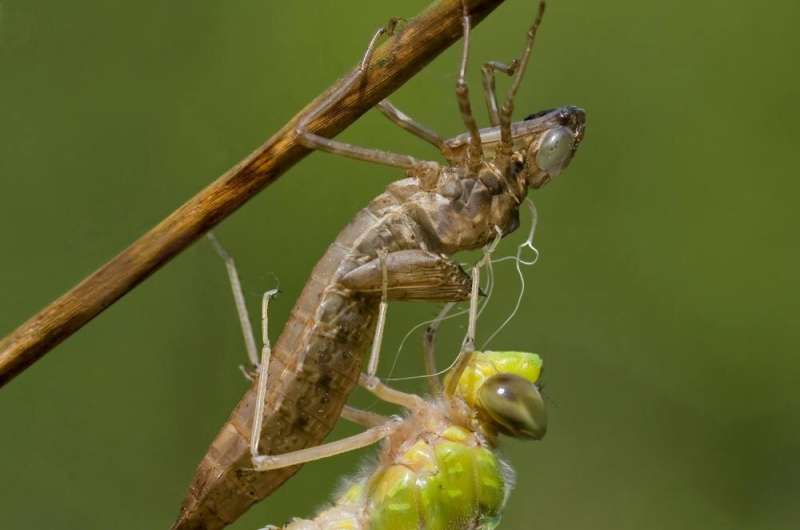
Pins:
x,y
397,248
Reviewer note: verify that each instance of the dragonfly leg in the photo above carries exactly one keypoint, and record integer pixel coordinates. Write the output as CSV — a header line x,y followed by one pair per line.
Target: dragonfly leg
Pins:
x,y
241,307
374,355
468,346
369,380
490,90
365,418
314,141
508,106
407,123
377,156
263,370
406,275
388,394
351,443
475,151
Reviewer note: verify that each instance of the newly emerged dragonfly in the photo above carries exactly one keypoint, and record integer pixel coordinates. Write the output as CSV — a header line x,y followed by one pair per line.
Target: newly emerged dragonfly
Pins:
x,y
397,248
437,469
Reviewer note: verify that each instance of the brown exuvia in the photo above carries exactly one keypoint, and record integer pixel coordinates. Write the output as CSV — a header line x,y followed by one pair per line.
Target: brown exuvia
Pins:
x,y
403,237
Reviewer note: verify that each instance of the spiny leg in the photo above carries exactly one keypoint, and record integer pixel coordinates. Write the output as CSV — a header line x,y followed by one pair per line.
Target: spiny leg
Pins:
x,y
378,156
508,106
263,371
407,123
475,151
351,443
241,307
490,90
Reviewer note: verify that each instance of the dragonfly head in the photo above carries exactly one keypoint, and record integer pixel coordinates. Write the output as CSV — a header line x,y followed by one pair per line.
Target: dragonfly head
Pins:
x,y
542,145
514,406
545,142
502,388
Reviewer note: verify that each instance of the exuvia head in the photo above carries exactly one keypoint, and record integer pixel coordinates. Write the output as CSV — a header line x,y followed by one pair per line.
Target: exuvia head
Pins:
x,y
545,143
542,145
502,388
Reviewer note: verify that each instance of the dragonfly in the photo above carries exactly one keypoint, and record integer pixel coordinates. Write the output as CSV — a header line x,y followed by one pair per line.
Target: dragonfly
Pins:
x,y
397,248
437,469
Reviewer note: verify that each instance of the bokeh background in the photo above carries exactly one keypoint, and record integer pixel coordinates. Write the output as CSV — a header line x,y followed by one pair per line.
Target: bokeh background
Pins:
x,y
664,303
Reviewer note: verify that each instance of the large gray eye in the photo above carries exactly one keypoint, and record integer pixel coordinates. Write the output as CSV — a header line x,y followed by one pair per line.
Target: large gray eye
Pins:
x,y
515,405
554,150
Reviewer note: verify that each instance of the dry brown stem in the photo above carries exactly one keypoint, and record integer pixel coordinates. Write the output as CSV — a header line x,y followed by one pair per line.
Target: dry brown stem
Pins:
x,y
393,63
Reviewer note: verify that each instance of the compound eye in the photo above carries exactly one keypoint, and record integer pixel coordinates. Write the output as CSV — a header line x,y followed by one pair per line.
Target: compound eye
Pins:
x,y
554,150
515,405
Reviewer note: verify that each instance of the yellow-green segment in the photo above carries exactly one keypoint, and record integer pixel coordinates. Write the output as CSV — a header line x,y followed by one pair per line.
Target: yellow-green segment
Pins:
x,y
464,484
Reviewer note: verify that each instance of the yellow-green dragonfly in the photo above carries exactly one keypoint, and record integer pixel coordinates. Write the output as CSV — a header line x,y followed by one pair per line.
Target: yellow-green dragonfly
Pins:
x,y
437,469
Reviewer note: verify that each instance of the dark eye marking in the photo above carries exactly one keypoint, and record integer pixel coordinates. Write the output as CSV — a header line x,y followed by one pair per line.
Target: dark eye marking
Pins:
x,y
538,114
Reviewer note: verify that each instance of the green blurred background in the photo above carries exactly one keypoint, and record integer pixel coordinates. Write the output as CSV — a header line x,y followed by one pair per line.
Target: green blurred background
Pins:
x,y
664,303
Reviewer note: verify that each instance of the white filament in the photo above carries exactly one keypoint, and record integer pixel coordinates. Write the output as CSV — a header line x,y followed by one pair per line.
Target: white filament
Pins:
x,y
518,262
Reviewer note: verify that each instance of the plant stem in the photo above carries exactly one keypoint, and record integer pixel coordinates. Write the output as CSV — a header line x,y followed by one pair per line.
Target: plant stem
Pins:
x,y
392,64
